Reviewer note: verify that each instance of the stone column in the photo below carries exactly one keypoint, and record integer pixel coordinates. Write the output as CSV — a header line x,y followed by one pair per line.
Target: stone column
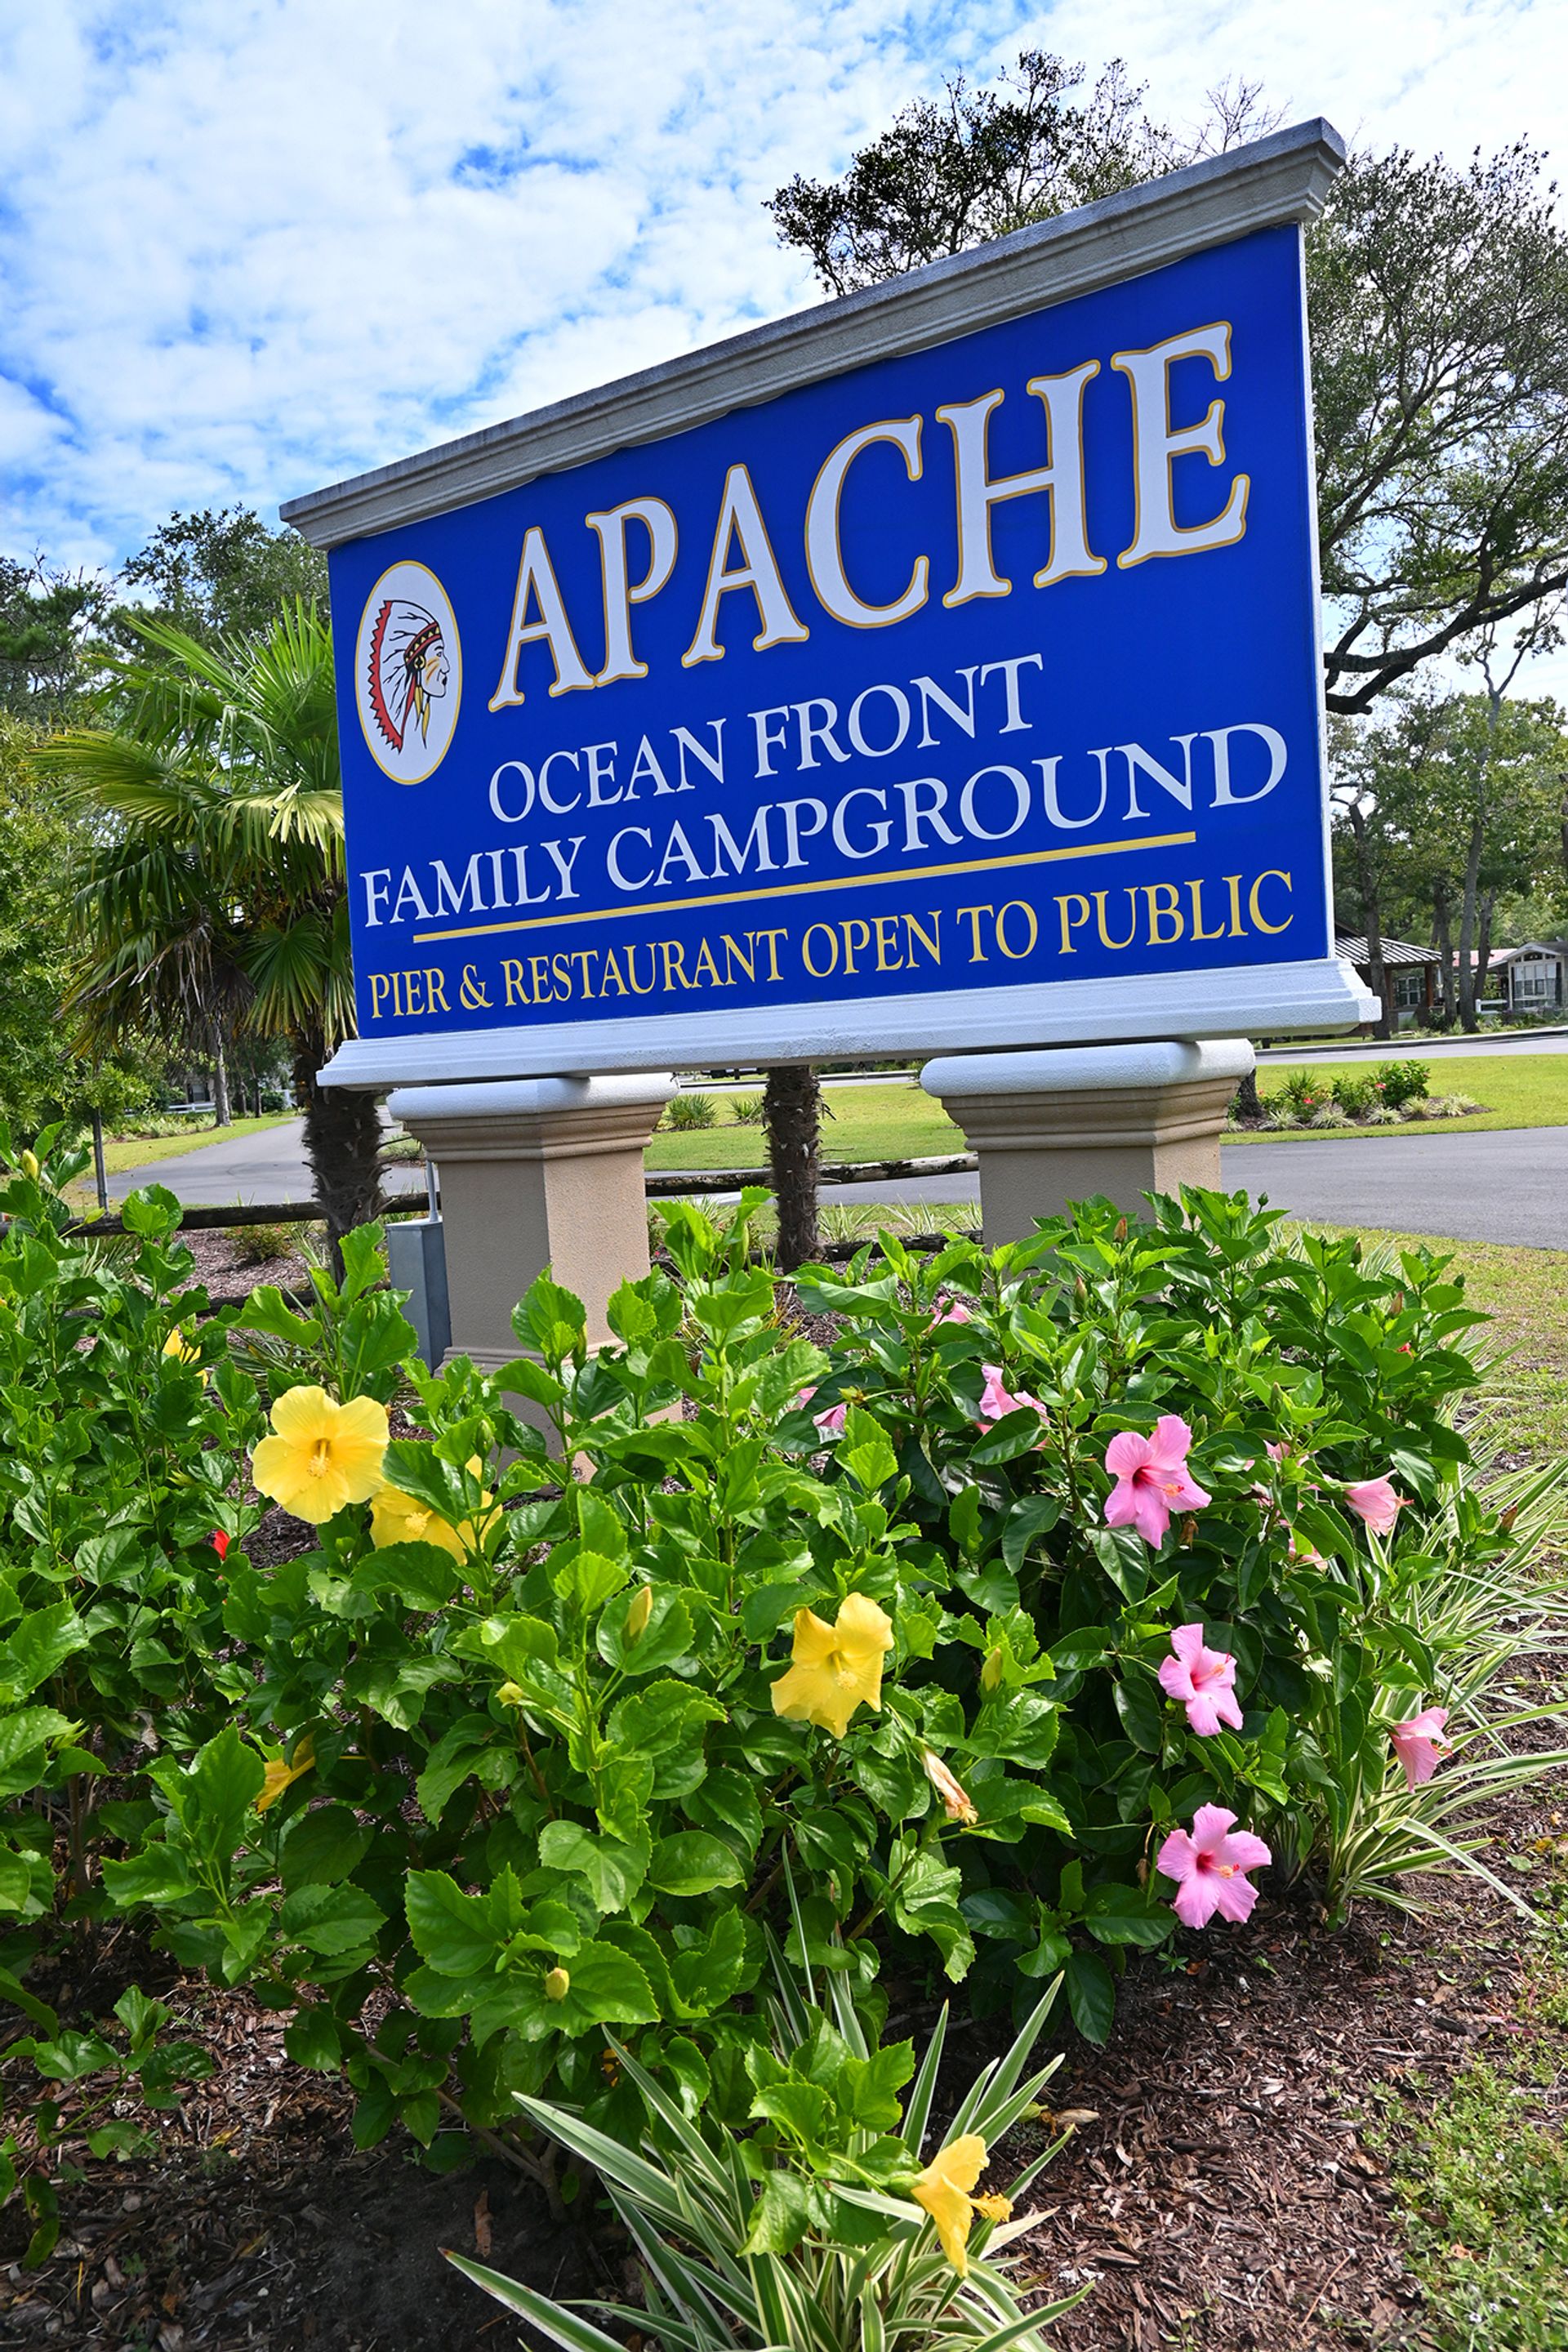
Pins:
x,y
536,1173
1064,1124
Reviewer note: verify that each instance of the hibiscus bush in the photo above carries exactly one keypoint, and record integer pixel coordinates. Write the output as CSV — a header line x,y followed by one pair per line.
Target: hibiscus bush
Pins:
x,y
1008,1610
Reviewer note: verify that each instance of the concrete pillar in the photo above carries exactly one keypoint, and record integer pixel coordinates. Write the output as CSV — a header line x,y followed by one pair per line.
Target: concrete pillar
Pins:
x,y
1062,1125
536,1173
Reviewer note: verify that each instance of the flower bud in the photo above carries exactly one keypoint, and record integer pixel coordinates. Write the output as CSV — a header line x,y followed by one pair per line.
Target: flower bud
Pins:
x,y
991,1671
510,1695
557,1985
956,1801
639,1612
29,1165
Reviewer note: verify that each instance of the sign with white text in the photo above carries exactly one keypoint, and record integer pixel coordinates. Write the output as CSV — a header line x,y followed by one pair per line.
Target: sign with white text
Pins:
x,y
986,667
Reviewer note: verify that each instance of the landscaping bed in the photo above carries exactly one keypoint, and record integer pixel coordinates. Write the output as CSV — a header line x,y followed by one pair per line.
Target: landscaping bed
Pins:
x,y
890,1650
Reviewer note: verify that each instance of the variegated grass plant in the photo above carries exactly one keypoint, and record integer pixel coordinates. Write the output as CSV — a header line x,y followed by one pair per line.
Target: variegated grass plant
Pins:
x,y
826,2226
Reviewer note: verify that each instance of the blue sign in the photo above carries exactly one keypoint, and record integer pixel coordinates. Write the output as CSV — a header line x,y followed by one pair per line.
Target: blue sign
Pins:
x,y
989,667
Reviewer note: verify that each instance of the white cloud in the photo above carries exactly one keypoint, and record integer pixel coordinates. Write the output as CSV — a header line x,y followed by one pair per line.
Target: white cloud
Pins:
x,y
250,246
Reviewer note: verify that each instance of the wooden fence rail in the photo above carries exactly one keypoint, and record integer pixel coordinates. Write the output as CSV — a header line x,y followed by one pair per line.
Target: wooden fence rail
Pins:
x,y
667,1185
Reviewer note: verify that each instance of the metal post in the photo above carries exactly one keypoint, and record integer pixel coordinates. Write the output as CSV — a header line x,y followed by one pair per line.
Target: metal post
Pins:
x,y
98,1168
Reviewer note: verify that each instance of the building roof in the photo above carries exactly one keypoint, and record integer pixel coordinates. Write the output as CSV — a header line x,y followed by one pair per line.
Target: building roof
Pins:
x,y
1394,951
1530,948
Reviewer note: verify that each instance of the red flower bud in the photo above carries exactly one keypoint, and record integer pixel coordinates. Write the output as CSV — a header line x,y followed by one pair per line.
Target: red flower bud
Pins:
x,y
219,1543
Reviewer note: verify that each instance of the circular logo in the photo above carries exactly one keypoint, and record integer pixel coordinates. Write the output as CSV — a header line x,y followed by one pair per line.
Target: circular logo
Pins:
x,y
408,673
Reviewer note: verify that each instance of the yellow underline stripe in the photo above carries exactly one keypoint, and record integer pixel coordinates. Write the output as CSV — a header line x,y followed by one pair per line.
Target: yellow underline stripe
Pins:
x,y
803,889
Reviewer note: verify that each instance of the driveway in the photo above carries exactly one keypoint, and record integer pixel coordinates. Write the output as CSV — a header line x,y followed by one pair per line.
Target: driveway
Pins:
x,y
1508,1187
268,1164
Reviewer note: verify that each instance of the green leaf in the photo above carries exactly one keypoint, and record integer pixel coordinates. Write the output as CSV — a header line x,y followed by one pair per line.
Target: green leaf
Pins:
x,y
420,1574
782,2215
589,1579
452,1930
704,1977
40,1645
864,1451
1141,1713
1091,1995
312,2039
728,1801
607,1988
693,1862
614,1867
1034,1516
333,1920
323,1846
868,2087
1124,1915
666,1637
156,1874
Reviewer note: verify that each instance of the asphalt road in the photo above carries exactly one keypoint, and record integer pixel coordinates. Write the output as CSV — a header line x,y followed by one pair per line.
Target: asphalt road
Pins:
x,y
1507,1187
1410,1048
268,1164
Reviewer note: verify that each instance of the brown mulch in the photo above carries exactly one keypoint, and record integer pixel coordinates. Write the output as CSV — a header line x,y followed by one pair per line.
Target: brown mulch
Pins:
x,y
1230,2196
1233,2195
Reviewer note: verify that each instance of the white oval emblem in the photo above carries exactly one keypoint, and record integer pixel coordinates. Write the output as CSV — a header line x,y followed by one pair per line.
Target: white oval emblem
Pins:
x,y
408,672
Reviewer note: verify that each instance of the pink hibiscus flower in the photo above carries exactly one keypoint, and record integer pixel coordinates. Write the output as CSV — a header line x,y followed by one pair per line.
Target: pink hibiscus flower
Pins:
x,y
1374,1500
950,1310
996,1402
1419,1742
830,1423
1152,1481
1210,1866
1204,1680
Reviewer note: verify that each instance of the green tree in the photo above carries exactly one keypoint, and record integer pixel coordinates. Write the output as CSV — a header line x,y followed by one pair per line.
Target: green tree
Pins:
x,y
49,619
42,1076
1440,311
220,576
214,890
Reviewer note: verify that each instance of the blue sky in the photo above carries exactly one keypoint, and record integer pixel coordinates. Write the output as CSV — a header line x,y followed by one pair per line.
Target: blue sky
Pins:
x,y
249,246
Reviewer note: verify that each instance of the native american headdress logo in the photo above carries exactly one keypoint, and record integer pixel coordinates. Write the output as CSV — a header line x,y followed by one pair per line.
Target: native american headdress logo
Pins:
x,y
407,672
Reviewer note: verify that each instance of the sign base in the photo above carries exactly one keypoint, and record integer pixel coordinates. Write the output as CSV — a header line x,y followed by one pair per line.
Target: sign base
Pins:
x,y
1283,1000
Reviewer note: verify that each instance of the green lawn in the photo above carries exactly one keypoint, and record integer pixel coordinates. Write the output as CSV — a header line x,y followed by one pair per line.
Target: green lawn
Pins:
x,y
887,1122
1518,1090
894,1122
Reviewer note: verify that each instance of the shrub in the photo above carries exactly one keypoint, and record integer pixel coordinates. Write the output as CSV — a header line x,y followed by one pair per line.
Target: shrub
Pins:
x,y
746,1110
1448,1107
259,1245
689,1112
1302,1094
1357,1094
507,1760
1403,1081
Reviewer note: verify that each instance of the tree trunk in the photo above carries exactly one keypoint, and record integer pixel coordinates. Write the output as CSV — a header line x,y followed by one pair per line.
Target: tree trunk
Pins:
x,y
1467,1020
222,1114
1484,943
1372,920
1247,1103
1442,940
342,1142
791,1114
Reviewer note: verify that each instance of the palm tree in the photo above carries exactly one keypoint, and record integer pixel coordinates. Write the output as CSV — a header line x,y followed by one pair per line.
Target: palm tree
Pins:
x,y
212,897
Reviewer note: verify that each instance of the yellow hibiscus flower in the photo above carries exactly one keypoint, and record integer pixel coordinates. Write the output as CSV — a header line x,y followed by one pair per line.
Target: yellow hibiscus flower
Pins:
x,y
183,1350
281,1776
833,1668
322,1455
943,2189
396,1517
